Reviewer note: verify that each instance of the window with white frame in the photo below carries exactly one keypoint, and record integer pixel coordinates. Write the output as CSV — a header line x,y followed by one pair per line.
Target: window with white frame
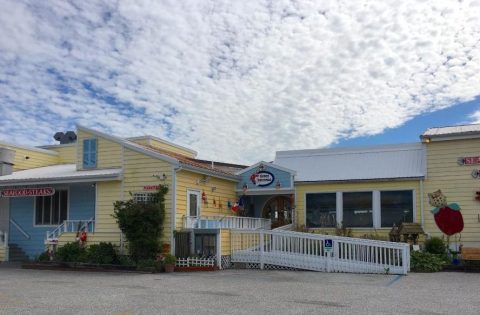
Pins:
x,y
358,209
90,153
365,209
321,210
51,210
144,197
396,207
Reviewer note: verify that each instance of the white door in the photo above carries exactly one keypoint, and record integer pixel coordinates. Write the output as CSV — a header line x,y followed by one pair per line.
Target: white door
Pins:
x,y
193,203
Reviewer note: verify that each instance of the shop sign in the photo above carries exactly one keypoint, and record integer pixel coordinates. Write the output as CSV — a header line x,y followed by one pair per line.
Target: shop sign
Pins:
x,y
262,178
27,192
469,160
151,187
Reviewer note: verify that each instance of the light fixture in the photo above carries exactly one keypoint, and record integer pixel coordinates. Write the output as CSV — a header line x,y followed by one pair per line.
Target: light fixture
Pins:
x,y
162,177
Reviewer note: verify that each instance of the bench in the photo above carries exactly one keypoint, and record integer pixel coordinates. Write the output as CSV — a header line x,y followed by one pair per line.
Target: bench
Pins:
x,y
470,254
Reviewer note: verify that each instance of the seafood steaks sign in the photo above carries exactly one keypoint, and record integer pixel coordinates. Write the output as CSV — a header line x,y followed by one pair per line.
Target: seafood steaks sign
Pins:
x,y
27,192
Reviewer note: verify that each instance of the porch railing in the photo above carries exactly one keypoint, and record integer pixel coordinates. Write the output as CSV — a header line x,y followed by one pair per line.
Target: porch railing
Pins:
x,y
310,252
69,226
226,222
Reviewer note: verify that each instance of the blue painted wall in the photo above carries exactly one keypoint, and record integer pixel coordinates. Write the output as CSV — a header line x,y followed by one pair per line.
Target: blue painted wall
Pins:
x,y
280,175
81,207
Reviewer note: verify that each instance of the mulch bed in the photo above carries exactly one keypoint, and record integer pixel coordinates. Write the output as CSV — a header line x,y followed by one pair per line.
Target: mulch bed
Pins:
x,y
78,267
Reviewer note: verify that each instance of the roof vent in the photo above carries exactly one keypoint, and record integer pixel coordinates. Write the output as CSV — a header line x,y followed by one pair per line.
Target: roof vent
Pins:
x,y
65,138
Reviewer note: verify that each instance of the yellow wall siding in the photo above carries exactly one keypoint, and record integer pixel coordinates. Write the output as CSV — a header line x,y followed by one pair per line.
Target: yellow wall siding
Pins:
x,y
456,182
303,188
109,153
107,194
67,154
225,191
138,172
35,159
225,242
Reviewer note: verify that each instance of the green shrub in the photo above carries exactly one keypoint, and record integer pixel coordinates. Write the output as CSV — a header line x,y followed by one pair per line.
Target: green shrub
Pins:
x,y
435,245
426,262
142,224
43,257
71,252
169,259
102,253
125,260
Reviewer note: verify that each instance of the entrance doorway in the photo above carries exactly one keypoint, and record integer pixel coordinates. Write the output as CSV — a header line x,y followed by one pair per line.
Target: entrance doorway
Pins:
x,y
279,210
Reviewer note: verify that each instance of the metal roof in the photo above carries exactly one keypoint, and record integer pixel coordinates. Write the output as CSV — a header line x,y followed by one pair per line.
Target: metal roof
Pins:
x,y
58,174
360,163
452,131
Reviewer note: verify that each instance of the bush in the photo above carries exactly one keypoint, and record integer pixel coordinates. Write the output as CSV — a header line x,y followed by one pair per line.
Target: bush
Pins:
x,y
43,257
102,253
435,245
169,259
71,252
142,224
426,262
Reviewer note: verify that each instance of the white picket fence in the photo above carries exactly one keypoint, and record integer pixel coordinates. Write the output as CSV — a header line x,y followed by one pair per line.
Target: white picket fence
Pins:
x,y
307,251
226,222
195,262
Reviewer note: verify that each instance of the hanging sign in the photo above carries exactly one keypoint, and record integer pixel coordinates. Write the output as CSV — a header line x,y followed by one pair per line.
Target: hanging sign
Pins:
x,y
328,245
262,178
469,160
27,192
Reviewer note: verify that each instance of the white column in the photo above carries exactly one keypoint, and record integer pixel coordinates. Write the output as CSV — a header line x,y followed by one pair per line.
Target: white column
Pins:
x,y
339,207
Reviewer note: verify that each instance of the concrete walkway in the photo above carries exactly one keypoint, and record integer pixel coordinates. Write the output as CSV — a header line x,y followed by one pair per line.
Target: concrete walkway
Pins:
x,y
236,292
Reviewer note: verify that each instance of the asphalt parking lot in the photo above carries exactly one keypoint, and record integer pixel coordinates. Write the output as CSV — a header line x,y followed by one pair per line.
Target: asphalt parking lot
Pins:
x,y
236,292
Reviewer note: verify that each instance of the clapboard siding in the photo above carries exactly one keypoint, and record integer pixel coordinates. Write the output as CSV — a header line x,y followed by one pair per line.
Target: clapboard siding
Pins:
x,y
225,242
141,170
109,153
27,159
303,188
67,154
107,194
456,182
224,192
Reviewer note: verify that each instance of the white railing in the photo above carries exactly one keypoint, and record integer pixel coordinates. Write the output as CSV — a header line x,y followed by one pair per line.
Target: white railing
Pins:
x,y
308,251
226,222
71,226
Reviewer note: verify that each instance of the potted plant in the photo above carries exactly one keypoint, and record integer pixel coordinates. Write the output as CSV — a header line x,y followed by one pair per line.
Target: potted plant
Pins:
x,y
169,262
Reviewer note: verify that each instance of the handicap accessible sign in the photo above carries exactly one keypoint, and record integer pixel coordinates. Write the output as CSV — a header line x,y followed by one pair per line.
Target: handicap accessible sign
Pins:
x,y
328,245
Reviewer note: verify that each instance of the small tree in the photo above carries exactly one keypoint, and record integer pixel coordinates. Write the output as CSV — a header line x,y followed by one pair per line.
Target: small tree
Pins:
x,y
142,224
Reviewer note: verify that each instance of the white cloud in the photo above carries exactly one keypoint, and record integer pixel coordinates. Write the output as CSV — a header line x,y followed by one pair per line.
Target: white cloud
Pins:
x,y
235,80
475,117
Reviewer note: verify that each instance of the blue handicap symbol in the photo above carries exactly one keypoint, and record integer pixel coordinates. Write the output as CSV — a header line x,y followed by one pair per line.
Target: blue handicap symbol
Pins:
x,y
328,243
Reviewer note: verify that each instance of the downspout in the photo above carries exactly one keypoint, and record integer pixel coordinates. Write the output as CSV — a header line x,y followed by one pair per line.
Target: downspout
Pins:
x,y
421,205
174,207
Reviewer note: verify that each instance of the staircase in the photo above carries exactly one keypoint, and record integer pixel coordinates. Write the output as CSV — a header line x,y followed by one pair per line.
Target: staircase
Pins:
x,y
318,252
16,254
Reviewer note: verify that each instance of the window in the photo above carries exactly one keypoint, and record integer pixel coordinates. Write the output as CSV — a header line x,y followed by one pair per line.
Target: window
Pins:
x,y
193,203
144,197
51,210
205,245
357,209
396,207
321,210
89,153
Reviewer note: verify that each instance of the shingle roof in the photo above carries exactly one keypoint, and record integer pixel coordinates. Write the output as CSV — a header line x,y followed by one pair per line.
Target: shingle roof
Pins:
x,y
57,173
220,168
362,163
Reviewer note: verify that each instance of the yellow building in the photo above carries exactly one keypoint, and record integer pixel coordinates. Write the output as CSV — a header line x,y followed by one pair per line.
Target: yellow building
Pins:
x,y
48,193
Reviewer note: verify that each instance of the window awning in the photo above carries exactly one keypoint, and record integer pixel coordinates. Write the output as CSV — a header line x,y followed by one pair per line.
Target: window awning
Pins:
x,y
59,174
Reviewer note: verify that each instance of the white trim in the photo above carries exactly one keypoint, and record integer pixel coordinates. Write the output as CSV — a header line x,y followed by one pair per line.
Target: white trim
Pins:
x,y
95,213
219,249
272,165
174,208
376,209
198,193
24,147
130,145
62,180
67,188
422,214
150,138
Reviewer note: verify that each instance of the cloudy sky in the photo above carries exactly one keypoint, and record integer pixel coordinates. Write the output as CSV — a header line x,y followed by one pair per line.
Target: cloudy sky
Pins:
x,y
237,80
